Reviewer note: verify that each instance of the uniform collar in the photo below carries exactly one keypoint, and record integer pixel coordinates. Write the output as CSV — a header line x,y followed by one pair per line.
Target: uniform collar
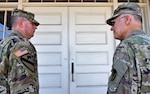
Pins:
x,y
16,33
137,32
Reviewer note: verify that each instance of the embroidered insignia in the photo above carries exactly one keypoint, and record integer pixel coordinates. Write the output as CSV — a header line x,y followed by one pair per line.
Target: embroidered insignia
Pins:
x,y
113,75
22,51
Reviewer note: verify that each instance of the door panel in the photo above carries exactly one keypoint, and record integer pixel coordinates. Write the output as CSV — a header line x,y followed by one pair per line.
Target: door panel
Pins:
x,y
51,43
91,49
75,48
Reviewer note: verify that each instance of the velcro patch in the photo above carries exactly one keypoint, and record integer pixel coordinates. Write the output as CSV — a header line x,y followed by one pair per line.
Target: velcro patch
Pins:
x,y
22,51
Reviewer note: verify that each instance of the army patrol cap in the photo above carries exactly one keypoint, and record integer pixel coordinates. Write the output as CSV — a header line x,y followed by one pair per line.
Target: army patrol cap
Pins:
x,y
126,8
25,14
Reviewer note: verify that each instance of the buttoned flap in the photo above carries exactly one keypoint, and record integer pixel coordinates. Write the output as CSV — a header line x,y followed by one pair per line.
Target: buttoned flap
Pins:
x,y
118,71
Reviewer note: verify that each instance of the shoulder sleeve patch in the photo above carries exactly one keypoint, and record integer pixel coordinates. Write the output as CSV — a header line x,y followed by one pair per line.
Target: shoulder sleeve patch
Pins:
x,y
20,52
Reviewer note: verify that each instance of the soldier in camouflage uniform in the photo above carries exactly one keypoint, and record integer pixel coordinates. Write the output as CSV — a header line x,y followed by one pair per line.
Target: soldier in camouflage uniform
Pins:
x,y
18,58
131,61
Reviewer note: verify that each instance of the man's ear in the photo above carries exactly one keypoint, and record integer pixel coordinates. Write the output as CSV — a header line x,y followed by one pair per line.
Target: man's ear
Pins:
x,y
128,19
20,23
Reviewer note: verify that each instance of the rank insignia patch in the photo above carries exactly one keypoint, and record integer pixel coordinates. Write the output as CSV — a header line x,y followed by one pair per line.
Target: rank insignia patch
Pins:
x,y
22,51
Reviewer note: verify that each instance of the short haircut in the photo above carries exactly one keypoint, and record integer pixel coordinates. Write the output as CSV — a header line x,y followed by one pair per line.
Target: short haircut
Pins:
x,y
138,18
14,20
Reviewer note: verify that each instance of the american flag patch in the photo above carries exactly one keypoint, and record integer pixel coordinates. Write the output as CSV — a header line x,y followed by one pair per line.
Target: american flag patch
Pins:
x,y
22,51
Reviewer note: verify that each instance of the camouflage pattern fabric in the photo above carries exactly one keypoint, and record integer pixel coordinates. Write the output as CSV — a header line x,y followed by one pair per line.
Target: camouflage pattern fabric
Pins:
x,y
131,66
126,8
18,66
25,14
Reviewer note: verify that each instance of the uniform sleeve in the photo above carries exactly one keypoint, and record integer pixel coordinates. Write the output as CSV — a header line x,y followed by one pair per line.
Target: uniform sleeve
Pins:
x,y
124,76
23,76
20,65
4,66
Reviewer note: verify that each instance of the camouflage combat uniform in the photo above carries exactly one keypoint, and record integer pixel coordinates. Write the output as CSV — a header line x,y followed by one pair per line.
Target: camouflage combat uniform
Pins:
x,y
131,66
18,67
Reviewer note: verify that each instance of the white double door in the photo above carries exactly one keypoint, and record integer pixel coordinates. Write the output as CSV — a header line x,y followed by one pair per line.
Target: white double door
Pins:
x,y
75,48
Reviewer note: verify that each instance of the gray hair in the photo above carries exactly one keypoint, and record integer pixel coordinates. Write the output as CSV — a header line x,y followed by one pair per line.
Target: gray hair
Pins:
x,y
14,20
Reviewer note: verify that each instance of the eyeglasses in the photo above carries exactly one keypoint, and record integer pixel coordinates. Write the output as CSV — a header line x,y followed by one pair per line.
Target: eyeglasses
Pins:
x,y
113,21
